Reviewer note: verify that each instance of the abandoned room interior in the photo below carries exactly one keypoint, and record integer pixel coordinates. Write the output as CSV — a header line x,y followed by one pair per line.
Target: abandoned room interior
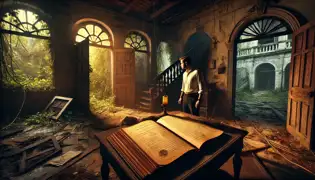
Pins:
x,y
85,84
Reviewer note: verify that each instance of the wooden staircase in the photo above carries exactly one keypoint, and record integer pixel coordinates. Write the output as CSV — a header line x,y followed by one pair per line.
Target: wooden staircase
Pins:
x,y
150,99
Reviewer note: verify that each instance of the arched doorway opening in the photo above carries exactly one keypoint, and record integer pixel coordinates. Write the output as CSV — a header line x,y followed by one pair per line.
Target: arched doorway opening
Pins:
x,y
293,19
139,42
198,48
265,77
100,57
263,47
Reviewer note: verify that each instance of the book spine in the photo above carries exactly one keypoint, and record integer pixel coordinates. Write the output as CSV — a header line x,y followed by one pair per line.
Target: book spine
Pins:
x,y
132,154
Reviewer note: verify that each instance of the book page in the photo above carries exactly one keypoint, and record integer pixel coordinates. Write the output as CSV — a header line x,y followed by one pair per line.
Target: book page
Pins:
x,y
193,132
159,143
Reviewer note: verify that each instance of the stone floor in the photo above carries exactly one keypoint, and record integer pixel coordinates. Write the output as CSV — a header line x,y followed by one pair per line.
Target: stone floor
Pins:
x,y
261,133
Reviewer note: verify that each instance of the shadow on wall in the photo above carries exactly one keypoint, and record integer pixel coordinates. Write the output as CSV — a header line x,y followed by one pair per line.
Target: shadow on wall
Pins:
x,y
218,101
198,48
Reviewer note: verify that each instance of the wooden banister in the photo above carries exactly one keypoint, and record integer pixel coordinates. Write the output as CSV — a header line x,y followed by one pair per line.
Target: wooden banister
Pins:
x,y
163,80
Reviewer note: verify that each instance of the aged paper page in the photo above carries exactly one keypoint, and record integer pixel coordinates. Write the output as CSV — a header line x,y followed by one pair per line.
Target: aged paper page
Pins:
x,y
193,132
159,143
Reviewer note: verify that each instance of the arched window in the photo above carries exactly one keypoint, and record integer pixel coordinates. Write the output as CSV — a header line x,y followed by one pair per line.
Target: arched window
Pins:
x,y
264,28
136,41
139,43
25,43
97,34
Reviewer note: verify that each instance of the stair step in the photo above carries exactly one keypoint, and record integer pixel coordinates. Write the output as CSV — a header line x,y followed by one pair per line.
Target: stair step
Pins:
x,y
146,92
145,98
145,104
144,108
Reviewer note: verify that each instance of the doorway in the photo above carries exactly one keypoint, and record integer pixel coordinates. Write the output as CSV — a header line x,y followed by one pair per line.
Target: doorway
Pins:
x,y
100,67
263,55
197,47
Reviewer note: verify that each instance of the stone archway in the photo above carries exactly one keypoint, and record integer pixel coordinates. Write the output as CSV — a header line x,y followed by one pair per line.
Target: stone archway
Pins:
x,y
265,77
198,48
276,12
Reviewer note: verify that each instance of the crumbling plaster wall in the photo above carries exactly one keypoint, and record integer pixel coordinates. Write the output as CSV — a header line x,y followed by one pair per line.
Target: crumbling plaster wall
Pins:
x,y
218,22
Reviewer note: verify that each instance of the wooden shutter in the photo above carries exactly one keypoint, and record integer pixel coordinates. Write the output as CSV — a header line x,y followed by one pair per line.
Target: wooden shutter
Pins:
x,y
82,76
124,77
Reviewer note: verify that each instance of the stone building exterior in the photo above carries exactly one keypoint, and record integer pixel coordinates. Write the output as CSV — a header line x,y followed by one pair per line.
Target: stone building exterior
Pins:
x,y
275,54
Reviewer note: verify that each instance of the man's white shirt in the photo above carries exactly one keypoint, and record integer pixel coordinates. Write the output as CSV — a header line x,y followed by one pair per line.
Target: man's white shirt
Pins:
x,y
191,82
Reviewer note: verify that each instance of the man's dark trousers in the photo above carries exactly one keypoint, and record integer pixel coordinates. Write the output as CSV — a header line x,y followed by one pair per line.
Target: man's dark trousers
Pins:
x,y
189,102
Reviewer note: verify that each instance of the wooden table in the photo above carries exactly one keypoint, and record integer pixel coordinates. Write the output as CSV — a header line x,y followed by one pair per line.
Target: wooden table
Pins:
x,y
230,144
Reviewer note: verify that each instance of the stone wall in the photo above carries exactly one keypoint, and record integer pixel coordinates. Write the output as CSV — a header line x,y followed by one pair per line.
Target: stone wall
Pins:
x,y
278,61
218,21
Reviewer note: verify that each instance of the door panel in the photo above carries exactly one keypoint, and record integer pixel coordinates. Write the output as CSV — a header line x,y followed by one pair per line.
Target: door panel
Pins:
x,y
302,85
82,76
124,79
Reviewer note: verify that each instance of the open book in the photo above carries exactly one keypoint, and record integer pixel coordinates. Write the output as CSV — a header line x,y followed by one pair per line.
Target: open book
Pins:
x,y
150,144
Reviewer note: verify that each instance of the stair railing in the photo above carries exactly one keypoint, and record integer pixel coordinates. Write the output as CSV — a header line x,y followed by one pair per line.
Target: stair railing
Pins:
x,y
164,79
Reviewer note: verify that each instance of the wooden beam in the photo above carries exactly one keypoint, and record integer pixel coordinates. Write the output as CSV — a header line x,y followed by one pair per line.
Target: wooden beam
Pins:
x,y
163,9
129,6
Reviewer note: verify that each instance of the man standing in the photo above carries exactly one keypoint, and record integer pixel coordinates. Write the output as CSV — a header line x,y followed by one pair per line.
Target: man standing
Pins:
x,y
191,90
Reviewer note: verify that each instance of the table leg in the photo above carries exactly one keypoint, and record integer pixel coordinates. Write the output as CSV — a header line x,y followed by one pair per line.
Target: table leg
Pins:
x,y
105,166
237,163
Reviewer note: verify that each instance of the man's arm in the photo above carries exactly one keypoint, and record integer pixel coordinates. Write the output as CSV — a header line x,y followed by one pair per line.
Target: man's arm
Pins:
x,y
181,94
182,90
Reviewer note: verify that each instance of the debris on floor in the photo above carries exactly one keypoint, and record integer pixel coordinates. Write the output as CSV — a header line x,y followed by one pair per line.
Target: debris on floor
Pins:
x,y
61,160
75,136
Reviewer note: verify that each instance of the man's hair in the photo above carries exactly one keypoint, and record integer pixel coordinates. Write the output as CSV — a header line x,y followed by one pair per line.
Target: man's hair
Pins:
x,y
185,59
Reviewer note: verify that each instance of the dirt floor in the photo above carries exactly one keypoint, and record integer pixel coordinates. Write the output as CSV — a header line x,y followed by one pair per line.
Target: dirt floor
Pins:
x,y
277,147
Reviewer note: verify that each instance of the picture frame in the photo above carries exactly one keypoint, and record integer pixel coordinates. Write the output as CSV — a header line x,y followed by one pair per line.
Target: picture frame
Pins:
x,y
57,105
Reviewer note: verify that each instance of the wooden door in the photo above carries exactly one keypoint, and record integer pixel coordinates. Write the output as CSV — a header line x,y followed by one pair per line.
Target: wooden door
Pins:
x,y
82,76
302,85
124,79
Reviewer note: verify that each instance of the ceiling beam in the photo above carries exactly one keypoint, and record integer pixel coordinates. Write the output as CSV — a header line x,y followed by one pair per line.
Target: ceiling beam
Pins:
x,y
129,6
163,9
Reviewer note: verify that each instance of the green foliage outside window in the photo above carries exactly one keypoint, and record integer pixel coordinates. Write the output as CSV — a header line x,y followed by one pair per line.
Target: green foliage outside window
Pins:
x,y
25,59
27,62
101,98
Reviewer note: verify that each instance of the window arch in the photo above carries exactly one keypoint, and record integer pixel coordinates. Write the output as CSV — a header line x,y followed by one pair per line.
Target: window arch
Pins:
x,y
136,41
24,22
26,50
263,28
96,33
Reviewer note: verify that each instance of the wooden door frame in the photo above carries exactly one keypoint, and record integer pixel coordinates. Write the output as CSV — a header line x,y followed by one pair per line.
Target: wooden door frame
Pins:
x,y
277,12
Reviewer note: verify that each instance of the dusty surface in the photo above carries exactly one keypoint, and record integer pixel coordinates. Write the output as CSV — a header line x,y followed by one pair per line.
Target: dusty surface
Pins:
x,y
82,130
